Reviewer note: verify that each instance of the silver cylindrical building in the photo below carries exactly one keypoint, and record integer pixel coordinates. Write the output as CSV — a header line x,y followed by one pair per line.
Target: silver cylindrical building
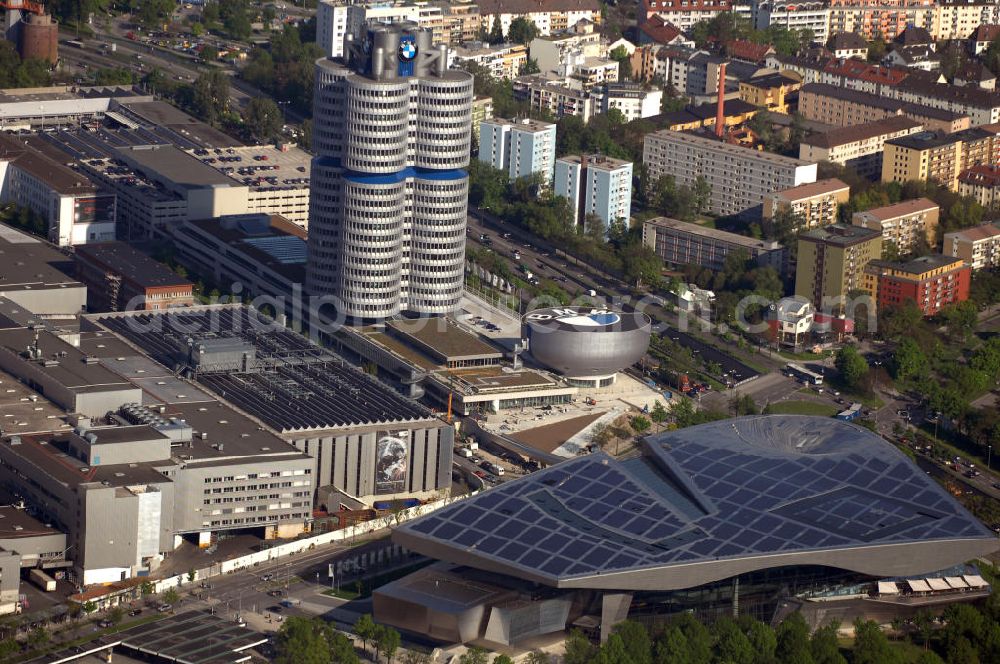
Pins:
x,y
586,345
392,131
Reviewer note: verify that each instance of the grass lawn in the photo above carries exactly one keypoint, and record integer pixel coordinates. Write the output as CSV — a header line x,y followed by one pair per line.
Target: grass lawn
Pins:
x,y
798,357
341,593
802,408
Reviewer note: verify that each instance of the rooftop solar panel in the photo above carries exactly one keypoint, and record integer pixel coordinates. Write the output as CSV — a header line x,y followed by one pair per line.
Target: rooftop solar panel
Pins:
x,y
826,494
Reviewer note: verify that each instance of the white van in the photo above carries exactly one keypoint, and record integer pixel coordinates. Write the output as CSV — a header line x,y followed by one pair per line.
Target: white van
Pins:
x,y
464,452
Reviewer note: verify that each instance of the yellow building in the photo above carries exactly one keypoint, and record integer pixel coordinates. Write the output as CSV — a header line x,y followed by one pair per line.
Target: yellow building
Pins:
x,y
938,156
815,203
904,224
925,156
831,264
771,90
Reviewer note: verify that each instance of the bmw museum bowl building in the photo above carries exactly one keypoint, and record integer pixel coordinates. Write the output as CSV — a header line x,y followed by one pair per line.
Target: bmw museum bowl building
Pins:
x,y
587,345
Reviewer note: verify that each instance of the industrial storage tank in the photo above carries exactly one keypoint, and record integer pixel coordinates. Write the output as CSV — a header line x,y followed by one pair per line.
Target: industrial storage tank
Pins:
x,y
587,345
40,38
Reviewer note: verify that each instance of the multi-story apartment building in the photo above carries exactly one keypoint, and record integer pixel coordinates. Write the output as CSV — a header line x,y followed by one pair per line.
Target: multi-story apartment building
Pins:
x,y
503,61
858,147
831,264
631,100
553,51
907,225
122,278
683,13
884,18
938,156
980,40
978,246
770,91
595,185
816,203
930,282
981,183
924,156
740,177
482,109
555,96
960,18
843,107
813,16
389,189
75,211
549,17
521,147
680,243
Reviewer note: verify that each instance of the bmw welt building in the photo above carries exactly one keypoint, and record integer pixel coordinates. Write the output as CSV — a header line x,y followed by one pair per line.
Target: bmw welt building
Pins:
x,y
733,516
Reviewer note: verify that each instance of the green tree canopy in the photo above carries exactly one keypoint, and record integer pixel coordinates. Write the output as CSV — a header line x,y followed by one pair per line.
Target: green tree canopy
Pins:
x,y
522,30
263,118
852,367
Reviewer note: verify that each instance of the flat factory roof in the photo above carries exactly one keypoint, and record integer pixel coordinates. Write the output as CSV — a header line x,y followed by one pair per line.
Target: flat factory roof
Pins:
x,y
442,339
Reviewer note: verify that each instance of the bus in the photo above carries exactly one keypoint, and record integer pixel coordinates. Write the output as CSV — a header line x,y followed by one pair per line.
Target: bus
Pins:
x,y
75,43
803,374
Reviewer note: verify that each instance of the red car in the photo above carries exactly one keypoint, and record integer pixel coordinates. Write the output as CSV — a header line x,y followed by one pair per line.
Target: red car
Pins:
x,y
480,474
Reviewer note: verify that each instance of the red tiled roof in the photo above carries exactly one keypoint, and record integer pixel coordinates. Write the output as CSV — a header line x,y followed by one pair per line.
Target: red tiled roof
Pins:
x,y
865,72
987,32
984,175
659,30
742,49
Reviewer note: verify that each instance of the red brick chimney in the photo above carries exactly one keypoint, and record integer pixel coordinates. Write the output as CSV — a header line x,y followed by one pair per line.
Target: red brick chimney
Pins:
x,y
720,113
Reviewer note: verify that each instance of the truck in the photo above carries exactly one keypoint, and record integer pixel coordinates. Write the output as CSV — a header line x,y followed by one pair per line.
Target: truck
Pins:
x,y
464,452
42,580
852,413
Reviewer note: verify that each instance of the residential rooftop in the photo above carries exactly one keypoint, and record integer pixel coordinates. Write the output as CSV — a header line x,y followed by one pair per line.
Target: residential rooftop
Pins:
x,y
924,140
596,161
901,209
523,124
861,132
818,188
920,265
737,151
840,235
984,175
976,233
714,233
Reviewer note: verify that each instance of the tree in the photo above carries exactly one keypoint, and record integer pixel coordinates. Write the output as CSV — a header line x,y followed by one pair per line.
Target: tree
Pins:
x,y
962,319
153,14
37,638
235,18
578,648
743,405
530,66
824,646
871,646
621,55
474,655
793,645
208,53
613,652
365,629
537,657
263,118
702,194
8,648
909,361
387,641
731,644
191,575
502,659
303,641
171,597
89,607
116,615
658,414
639,424
635,638
642,265
496,32
522,30
852,367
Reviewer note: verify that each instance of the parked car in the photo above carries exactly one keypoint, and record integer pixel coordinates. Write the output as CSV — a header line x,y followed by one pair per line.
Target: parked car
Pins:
x,y
134,612
163,608
104,624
